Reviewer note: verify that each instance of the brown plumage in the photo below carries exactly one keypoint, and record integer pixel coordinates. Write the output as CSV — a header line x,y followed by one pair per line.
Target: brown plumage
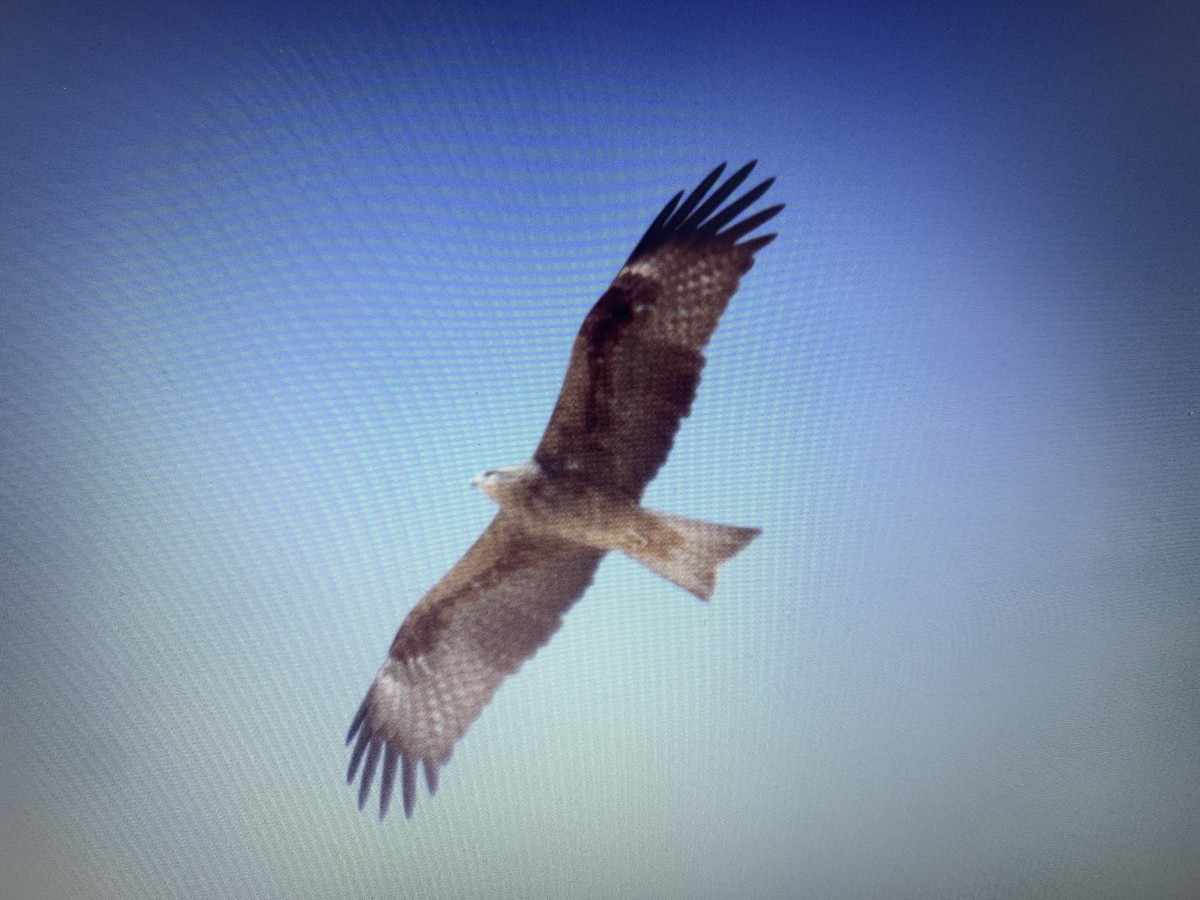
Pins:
x,y
633,373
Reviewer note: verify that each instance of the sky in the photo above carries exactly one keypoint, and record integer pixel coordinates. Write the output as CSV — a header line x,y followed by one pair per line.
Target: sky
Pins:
x,y
275,285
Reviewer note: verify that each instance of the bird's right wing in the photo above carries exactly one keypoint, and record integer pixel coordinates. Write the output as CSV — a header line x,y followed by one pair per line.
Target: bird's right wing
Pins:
x,y
490,613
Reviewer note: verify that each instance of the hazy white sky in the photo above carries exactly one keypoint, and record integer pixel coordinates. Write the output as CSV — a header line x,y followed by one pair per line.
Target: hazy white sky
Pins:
x,y
275,287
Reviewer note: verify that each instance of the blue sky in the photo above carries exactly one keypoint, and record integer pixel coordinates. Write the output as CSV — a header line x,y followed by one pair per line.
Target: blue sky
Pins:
x,y
276,285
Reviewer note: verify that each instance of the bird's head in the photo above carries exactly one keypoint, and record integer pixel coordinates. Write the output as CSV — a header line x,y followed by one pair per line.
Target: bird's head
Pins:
x,y
499,483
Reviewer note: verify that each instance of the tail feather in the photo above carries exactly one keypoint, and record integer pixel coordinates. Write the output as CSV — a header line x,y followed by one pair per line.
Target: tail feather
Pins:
x,y
688,551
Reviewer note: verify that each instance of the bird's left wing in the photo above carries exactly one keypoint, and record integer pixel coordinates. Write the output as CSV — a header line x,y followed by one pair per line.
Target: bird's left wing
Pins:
x,y
490,613
636,361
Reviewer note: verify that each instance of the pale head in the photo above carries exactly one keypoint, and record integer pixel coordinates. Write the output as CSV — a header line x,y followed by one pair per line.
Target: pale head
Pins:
x,y
498,483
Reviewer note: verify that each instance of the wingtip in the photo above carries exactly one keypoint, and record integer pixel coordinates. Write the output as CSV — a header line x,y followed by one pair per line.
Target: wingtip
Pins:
x,y
703,213
356,756
372,748
753,246
387,780
359,718
368,773
408,779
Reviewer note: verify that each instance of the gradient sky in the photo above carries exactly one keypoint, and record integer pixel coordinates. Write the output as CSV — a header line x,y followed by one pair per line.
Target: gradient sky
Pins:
x,y
274,286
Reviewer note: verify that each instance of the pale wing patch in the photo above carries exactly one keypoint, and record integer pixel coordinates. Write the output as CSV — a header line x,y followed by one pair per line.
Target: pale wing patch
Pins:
x,y
692,286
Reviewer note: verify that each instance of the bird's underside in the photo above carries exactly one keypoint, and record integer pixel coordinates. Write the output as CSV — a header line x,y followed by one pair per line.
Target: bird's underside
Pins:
x,y
579,511
633,373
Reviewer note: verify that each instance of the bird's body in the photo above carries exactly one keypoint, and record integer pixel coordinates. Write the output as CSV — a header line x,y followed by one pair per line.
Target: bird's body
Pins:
x,y
566,506
572,508
633,373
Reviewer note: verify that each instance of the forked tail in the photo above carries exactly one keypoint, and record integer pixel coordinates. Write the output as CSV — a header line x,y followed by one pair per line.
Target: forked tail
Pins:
x,y
688,551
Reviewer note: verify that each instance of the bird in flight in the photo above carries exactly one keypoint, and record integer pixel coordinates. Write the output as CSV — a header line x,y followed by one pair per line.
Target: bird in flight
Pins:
x,y
633,373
